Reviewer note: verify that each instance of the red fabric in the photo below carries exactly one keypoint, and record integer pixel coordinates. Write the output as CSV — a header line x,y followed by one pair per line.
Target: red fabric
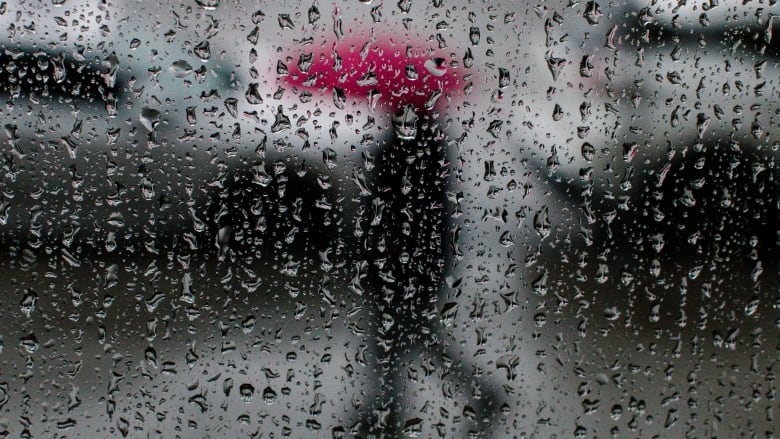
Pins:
x,y
387,59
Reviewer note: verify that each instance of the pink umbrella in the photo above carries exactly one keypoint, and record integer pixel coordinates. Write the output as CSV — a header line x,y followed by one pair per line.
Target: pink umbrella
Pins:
x,y
390,73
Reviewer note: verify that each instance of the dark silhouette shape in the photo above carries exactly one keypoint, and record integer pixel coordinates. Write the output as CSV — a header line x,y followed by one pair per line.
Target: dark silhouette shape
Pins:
x,y
400,255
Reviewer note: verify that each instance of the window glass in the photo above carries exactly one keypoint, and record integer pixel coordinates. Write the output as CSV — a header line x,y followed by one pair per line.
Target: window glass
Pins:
x,y
455,218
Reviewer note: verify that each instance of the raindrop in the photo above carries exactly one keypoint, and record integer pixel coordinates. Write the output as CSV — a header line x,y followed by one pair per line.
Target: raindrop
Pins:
x,y
555,65
147,188
248,325
412,427
149,118
436,66
247,392
329,158
254,35
557,113
539,285
252,94
339,98
314,13
231,105
448,313
151,356
586,66
285,22
29,343
257,17
612,313
592,13
542,223
405,123
468,59
29,303
405,6
67,424
474,35
203,51
503,77
269,395
305,62
411,72
282,122
59,72
208,5
180,68
588,152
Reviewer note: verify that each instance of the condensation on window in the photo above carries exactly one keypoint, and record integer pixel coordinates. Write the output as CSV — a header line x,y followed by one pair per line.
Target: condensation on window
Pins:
x,y
452,219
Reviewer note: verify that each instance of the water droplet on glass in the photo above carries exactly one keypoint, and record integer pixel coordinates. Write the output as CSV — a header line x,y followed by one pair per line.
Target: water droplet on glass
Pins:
x,y
405,123
29,303
147,188
252,94
247,392
555,65
411,72
29,343
285,22
203,51
208,5
314,13
269,395
448,313
339,98
231,105
180,69
592,13
503,77
542,223
539,285
474,35
412,427
282,122
468,59
150,118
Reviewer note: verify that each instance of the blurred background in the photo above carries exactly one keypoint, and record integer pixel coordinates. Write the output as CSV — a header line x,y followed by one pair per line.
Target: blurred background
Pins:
x,y
182,219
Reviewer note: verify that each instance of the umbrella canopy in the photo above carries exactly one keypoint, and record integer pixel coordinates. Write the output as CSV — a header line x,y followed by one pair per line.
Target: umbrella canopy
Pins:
x,y
386,73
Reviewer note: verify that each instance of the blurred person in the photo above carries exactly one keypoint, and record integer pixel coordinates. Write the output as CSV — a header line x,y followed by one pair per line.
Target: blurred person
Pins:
x,y
604,211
